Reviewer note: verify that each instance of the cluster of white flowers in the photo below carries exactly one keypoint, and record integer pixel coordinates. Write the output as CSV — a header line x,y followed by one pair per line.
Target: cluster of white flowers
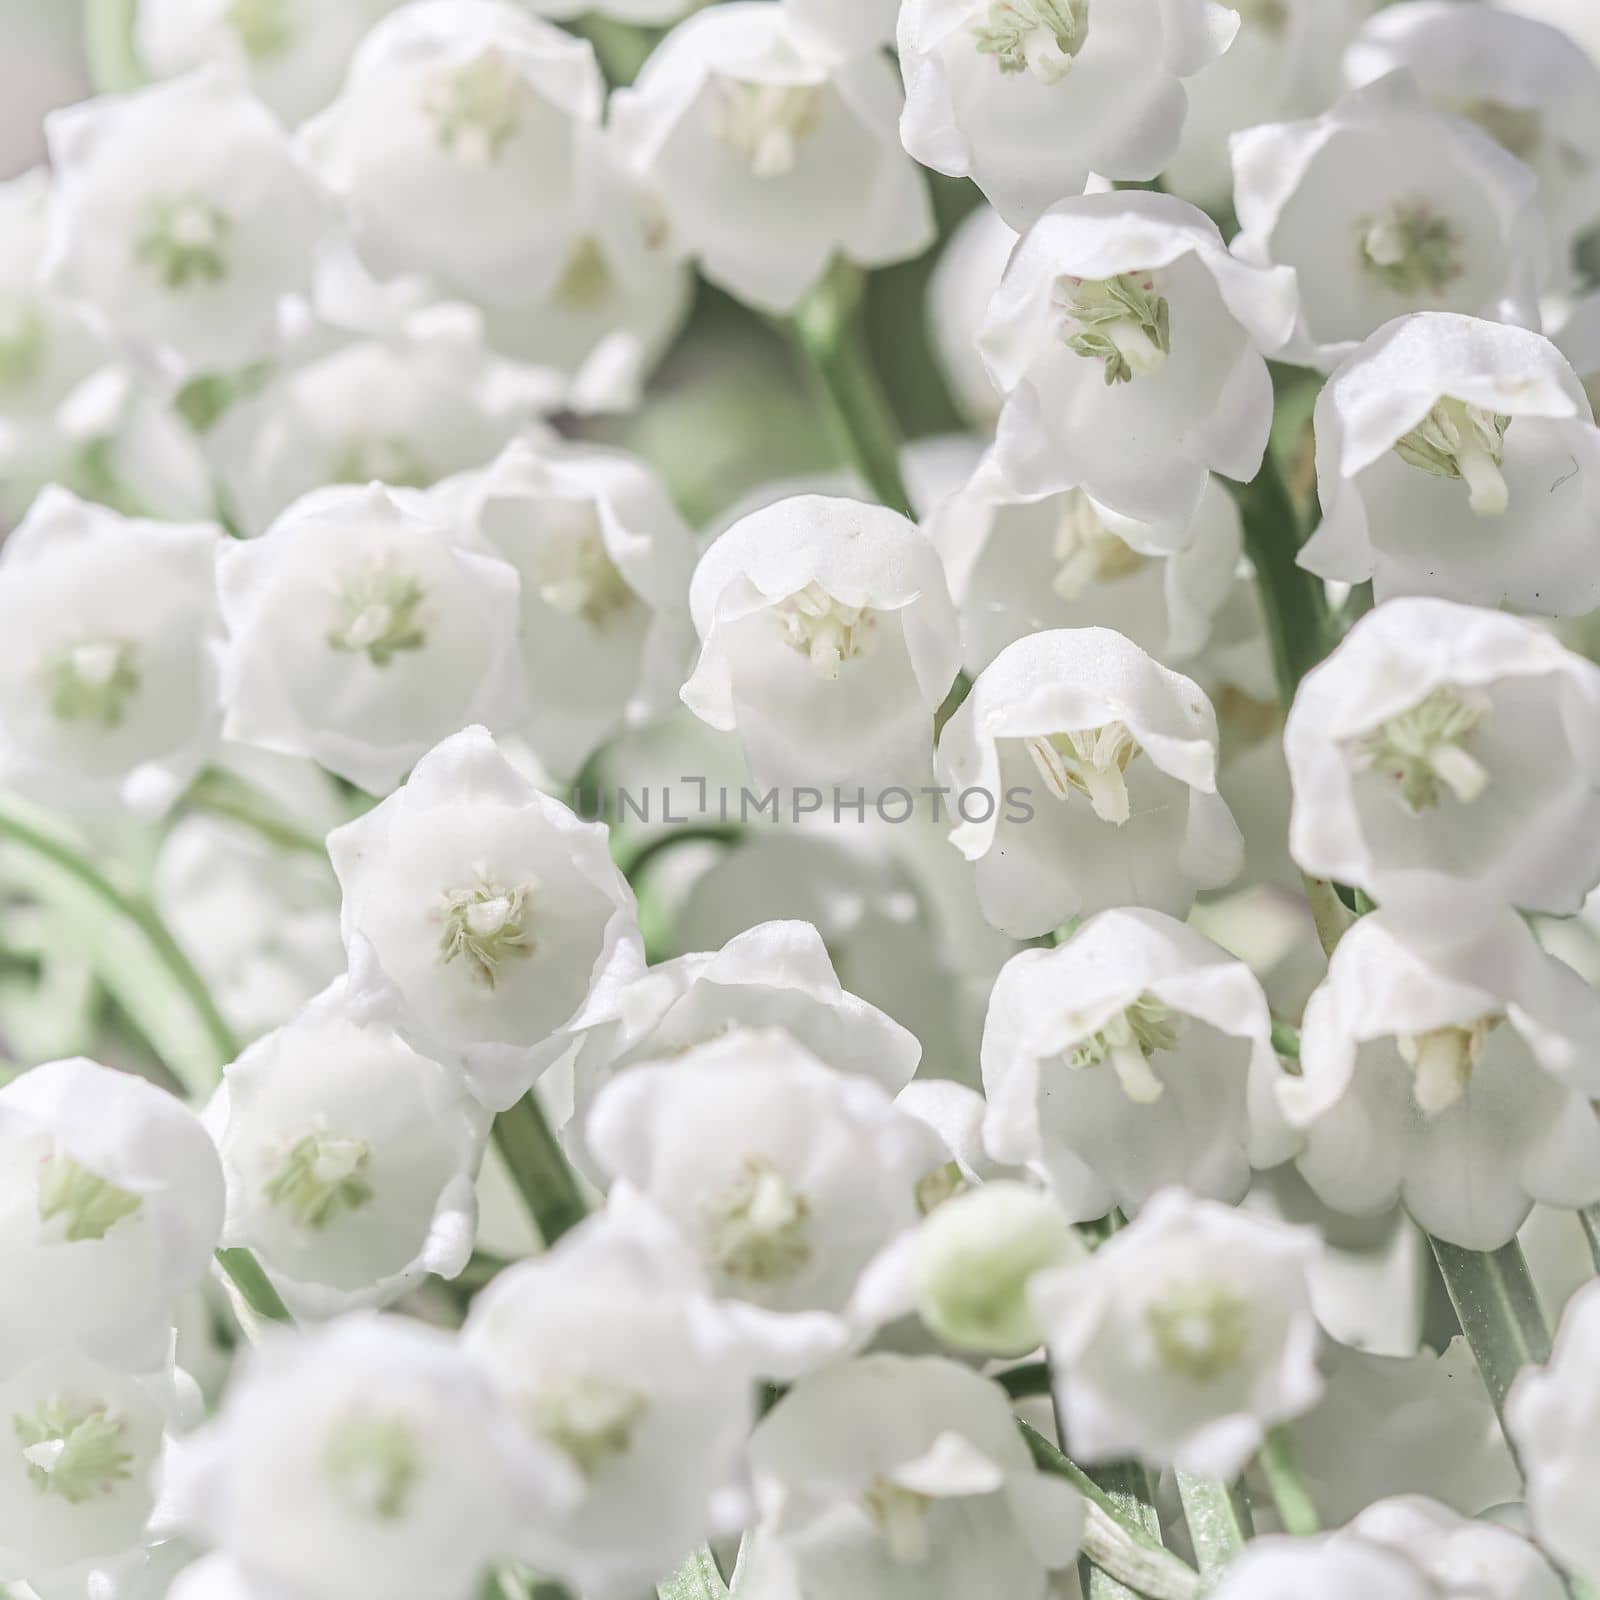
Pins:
x,y
1039,1073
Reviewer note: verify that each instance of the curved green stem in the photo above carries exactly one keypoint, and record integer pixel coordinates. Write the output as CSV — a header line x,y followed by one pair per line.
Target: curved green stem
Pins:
x,y
826,331
1296,1509
200,1065
539,1168
635,860
223,796
255,1288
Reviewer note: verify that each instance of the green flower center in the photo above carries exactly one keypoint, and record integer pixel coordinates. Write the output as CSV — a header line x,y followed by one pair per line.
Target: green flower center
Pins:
x,y
379,614
186,242
1128,1041
478,109
574,573
265,27
373,1459
1201,1330
1037,36
74,1449
1456,440
93,681
901,1516
765,123
758,1227
322,1177
1422,752
826,631
585,281
1411,249
1121,321
592,1419
1087,551
1091,762
486,925
89,1205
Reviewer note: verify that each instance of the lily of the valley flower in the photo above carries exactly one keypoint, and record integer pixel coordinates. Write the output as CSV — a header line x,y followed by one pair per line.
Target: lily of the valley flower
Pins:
x,y
1011,93
1459,458
108,634
363,627
1412,750
1384,206
745,113
1115,758
1128,345
1136,1056
1456,1081
493,910
1184,1338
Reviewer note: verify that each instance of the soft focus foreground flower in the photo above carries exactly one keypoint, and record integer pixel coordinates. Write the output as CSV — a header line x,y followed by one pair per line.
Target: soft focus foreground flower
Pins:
x,y
363,627
1084,777
969,271
888,1478
611,1350
1134,1057
1457,1080
1459,458
1128,345
769,155
827,642
182,219
1552,1415
786,1179
454,115
493,910
1411,748
108,638
1028,97
366,1460
1384,206
1183,1338
112,1203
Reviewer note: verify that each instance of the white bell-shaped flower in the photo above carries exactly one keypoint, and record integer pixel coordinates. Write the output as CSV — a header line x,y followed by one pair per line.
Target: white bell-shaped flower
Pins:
x,y
827,642
604,561
1184,1338
1530,87
770,155
1444,759
1458,1081
1136,1056
896,1478
775,975
1028,97
182,219
786,1178
108,637
493,910
350,1159
610,1349
452,144
1019,565
971,265
1128,345
365,1460
422,401
81,1470
1283,63
363,627
110,1208
1553,1416
293,52
1384,206
1459,458
1084,777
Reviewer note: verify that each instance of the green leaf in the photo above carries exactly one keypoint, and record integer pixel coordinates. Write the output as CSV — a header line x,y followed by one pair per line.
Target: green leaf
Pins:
x,y
697,1579
108,42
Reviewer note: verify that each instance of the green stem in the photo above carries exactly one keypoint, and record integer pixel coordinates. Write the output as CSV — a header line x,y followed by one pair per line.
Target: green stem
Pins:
x,y
248,1276
23,828
1299,627
223,796
1218,1518
1296,1509
108,44
634,860
826,330
697,1579
1590,1218
539,1168
1499,1312
1332,917
1122,1540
